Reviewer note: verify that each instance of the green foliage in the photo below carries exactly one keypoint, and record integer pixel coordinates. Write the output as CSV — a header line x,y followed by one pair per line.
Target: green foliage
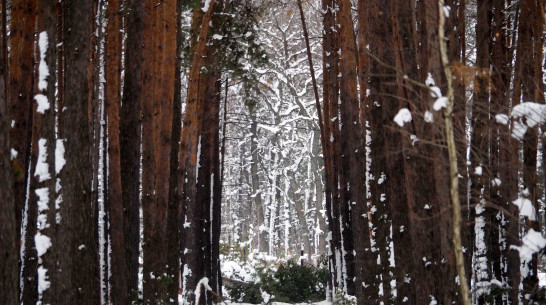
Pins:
x,y
246,293
343,299
233,37
297,283
290,283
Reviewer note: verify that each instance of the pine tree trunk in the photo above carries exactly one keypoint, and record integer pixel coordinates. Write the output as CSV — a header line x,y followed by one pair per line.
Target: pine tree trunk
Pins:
x,y
524,87
158,68
9,275
130,133
120,265
384,179
216,221
404,54
19,97
41,208
328,80
20,102
191,140
77,275
480,170
256,192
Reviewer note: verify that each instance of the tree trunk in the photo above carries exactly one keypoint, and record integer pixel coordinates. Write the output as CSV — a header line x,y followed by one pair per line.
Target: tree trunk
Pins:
x,y
41,208
120,265
256,192
190,143
216,221
524,89
158,70
130,133
384,180
77,272
19,97
404,54
480,171
9,275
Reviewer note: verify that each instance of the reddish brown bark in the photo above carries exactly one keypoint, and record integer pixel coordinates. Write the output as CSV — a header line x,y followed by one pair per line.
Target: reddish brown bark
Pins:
x,y
480,159
524,85
9,275
190,228
158,70
19,98
130,132
404,54
77,274
120,287
330,100
43,141
504,163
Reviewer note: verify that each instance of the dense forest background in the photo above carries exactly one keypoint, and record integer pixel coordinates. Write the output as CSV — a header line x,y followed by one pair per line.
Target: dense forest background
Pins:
x,y
145,143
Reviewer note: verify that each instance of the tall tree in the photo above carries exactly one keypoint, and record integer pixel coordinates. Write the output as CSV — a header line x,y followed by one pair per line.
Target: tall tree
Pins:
x,y
190,142
120,264
76,275
41,210
381,107
9,275
524,84
406,68
330,101
19,101
486,226
504,163
130,133
159,40
20,93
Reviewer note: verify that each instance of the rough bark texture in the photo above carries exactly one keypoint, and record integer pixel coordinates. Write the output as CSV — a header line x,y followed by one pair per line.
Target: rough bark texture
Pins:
x,y
330,114
504,164
158,70
174,207
9,275
20,92
385,174
19,98
485,228
77,271
216,221
130,132
524,90
120,265
44,131
404,53
190,141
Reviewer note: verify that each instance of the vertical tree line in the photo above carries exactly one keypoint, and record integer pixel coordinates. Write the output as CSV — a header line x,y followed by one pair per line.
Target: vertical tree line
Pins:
x,y
114,124
383,99
96,89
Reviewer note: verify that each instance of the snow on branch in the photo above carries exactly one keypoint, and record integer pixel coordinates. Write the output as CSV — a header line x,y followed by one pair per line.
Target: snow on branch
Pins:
x,y
532,243
403,116
202,282
525,115
526,208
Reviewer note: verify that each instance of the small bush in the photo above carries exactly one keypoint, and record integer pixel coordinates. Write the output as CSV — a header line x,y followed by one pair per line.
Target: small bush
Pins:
x,y
293,283
290,283
246,293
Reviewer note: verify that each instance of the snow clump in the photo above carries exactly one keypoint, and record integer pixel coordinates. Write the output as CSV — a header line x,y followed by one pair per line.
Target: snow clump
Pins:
x,y
403,116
